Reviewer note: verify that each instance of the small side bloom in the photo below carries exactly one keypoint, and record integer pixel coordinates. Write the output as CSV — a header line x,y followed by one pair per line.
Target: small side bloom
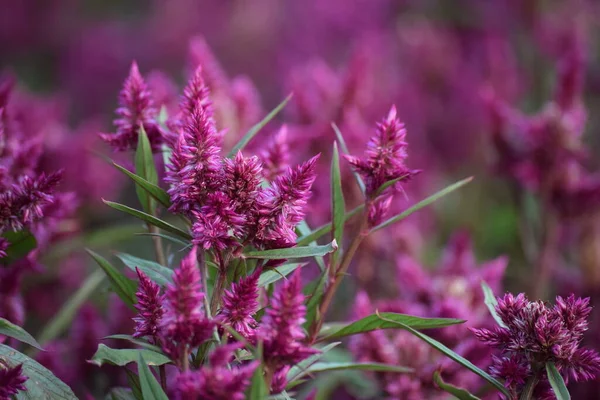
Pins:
x,y
11,381
240,303
149,306
276,156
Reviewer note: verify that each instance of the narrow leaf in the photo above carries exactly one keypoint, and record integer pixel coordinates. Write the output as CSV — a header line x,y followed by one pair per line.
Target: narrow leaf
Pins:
x,y
164,236
152,189
124,287
423,203
300,369
151,389
337,366
389,183
256,128
149,218
325,229
459,393
122,357
120,393
20,244
390,321
156,272
134,384
303,229
340,138
312,306
258,388
42,384
556,381
271,276
449,353
136,341
491,302
338,205
293,252
145,168
9,329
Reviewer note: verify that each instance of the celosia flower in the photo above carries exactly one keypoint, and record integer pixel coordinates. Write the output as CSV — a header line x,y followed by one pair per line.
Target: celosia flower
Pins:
x,y
240,303
3,246
281,206
385,155
215,381
537,333
149,306
276,155
184,324
281,327
136,110
242,178
11,380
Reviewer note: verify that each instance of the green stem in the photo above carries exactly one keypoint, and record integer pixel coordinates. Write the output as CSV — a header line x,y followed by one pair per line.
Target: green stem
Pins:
x,y
217,294
527,393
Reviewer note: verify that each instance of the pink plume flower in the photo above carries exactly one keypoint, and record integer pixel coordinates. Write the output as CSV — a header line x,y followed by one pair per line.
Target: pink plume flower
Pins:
x,y
11,381
149,306
240,303
276,155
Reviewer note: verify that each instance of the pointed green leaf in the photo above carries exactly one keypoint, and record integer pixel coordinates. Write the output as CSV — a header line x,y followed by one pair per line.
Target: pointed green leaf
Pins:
x,y
149,218
459,393
293,252
136,341
9,329
258,388
422,204
338,205
124,287
256,128
120,393
344,148
134,384
374,322
156,272
42,384
20,244
271,276
145,168
300,369
325,229
556,381
167,237
338,366
151,389
491,303
152,189
389,183
303,229
312,306
122,357
449,353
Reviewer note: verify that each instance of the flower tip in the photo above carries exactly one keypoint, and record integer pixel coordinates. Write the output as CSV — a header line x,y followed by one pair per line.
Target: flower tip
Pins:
x,y
392,115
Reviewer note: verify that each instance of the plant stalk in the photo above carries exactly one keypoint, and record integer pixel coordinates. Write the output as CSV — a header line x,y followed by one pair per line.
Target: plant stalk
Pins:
x,y
217,294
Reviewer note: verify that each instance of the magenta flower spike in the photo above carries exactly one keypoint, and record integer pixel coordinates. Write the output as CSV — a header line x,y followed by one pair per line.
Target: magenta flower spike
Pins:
x,y
136,109
149,306
240,303
11,381
276,156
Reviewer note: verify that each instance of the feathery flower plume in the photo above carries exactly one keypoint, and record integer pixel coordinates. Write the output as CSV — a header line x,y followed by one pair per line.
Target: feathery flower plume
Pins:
x,y
136,109
385,155
11,380
217,224
281,206
240,303
149,306
184,325
537,333
281,327
242,178
201,54
276,155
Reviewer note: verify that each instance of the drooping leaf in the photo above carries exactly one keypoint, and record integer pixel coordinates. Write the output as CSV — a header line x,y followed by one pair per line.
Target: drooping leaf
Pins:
x,y
124,287
338,205
337,366
152,189
151,389
491,303
557,382
156,272
256,128
42,384
20,244
449,353
277,273
423,203
9,329
62,319
459,393
340,138
149,219
136,341
122,357
293,252
145,168
299,370
374,322
325,229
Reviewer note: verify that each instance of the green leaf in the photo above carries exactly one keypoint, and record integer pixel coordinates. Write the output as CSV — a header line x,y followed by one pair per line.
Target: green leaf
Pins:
x,y
337,366
9,329
120,393
325,229
275,274
124,287
134,384
449,353
303,229
491,302
300,369
156,272
149,219
151,389
122,357
42,384
556,381
389,183
312,306
459,393
423,203
338,205
136,341
344,148
145,168
293,252
152,189
258,388
62,319
389,321
20,244
167,237
256,128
